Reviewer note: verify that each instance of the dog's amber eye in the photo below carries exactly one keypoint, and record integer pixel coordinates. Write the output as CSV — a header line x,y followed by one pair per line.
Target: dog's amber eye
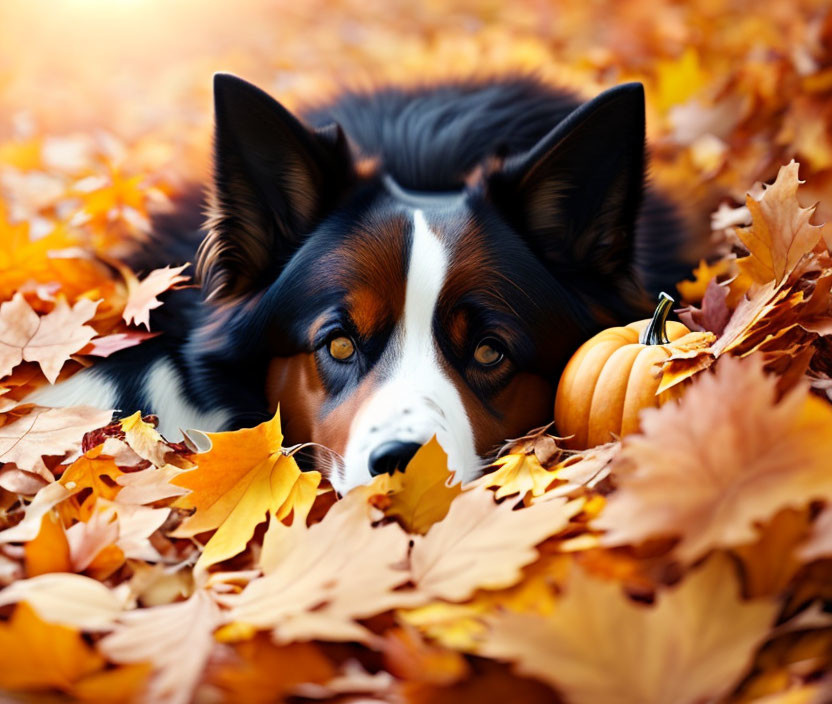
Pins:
x,y
341,348
488,354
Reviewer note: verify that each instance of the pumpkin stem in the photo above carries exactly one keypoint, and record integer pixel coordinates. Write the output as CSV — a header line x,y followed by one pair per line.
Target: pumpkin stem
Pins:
x,y
656,332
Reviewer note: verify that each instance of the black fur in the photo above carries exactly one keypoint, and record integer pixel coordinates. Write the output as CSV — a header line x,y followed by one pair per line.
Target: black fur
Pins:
x,y
267,278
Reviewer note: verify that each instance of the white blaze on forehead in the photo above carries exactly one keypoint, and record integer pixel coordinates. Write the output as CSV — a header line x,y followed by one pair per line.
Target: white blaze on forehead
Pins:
x,y
417,400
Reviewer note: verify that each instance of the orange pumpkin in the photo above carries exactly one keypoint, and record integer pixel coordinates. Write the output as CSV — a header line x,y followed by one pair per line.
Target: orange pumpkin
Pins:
x,y
612,377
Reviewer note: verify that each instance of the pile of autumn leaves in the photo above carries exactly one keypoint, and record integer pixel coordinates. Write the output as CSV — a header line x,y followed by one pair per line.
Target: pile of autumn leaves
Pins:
x,y
689,563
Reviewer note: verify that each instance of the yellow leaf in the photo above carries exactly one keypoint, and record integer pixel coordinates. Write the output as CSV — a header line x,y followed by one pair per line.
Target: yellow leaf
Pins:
x,y
520,474
422,495
117,686
40,655
694,291
144,439
243,478
679,80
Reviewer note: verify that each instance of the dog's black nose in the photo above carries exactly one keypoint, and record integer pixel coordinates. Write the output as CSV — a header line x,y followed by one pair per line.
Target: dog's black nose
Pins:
x,y
392,455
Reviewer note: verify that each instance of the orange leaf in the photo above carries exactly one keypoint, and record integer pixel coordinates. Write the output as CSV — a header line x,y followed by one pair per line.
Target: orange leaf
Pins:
x,y
48,340
243,479
49,551
40,655
93,472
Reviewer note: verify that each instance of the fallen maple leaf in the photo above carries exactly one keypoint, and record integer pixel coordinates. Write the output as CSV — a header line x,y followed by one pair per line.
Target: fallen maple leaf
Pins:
x,y
176,639
336,571
42,655
48,340
482,545
243,479
780,234
55,431
599,646
421,496
142,295
725,456
519,473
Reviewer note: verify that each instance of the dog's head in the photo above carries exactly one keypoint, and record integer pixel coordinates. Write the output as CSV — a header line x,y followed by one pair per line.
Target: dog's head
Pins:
x,y
384,316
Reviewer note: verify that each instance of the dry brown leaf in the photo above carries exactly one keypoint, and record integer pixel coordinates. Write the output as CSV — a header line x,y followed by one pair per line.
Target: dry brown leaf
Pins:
x,y
483,545
176,639
780,234
725,456
56,431
142,295
598,646
48,340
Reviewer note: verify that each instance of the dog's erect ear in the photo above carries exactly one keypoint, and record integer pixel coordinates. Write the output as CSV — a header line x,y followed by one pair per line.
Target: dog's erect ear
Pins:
x,y
274,179
575,195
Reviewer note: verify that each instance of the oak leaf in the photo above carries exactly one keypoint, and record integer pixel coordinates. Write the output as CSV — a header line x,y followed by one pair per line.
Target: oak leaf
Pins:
x,y
242,480
483,545
142,295
692,646
176,639
40,655
55,431
780,234
725,456
48,340
330,574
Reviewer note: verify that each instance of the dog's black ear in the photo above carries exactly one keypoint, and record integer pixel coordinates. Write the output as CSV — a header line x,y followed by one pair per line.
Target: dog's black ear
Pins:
x,y
575,195
274,179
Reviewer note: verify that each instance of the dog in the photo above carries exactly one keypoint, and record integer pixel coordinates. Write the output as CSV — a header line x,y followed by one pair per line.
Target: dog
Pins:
x,y
396,265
